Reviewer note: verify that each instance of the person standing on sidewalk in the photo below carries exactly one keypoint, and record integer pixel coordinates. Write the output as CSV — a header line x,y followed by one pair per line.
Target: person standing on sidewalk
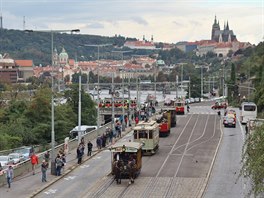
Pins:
x,y
80,153
34,162
59,164
90,148
9,176
47,157
44,168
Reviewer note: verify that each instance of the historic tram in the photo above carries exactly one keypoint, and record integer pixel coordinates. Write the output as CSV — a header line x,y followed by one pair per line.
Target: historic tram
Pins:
x,y
126,160
164,121
179,106
147,133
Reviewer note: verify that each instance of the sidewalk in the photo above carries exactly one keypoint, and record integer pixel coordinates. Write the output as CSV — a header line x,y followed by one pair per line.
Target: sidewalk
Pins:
x,y
29,185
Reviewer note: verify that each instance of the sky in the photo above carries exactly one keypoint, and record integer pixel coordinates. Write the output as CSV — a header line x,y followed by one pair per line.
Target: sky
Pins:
x,y
167,20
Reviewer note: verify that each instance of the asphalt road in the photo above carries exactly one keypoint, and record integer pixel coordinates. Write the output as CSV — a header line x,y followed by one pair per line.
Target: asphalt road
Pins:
x,y
180,168
225,180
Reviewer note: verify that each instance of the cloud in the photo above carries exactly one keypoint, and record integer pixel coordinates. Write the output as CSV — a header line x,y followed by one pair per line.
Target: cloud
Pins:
x,y
139,20
95,25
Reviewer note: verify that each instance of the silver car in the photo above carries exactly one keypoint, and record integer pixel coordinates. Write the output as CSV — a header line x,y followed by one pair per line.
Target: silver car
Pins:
x,y
17,157
6,160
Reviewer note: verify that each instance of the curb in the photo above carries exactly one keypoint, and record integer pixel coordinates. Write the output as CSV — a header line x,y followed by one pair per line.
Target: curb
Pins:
x,y
205,184
70,169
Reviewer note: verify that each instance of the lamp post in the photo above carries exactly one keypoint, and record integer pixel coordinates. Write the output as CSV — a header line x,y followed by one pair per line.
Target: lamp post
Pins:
x,y
123,89
201,81
53,164
98,79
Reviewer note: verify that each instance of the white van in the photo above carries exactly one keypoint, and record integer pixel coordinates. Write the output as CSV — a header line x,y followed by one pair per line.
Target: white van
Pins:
x,y
83,128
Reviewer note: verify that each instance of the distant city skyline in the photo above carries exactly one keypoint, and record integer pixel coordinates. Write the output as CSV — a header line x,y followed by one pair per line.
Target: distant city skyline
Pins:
x,y
167,20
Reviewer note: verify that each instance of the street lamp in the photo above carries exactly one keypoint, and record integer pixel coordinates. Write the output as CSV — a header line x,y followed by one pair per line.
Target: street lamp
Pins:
x,y
53,164
98,79
201,81
123,89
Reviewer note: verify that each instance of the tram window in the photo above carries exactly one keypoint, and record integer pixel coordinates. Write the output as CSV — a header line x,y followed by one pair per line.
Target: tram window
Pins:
x,y
135,135
150,134
142,134
249,108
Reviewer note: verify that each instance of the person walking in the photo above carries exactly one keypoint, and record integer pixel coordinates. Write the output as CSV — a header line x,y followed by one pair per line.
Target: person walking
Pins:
x,y
79,153
34,162
90,148
44,168
111,135
99,142
47,157
63,158
9,176
59,164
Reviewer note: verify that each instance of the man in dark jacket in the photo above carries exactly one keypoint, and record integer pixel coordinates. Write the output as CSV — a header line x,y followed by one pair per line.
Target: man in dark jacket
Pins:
x,y
90,148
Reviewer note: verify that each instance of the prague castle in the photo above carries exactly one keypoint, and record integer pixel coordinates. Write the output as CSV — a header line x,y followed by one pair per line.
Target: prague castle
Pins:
x,y
225,35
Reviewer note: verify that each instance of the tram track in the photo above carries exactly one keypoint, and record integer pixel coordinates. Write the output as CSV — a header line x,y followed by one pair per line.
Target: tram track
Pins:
x,y
162,184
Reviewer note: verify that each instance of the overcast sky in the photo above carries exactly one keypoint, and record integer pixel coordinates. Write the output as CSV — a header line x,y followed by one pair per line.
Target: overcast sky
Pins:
x,y
167,20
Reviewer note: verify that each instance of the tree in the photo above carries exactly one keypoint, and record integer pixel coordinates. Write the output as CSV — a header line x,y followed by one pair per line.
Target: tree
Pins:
x,y
253,160
88,116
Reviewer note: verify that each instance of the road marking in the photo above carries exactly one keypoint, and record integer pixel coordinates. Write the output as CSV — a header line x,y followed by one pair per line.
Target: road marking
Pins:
x,y
70,178
84,166
51,191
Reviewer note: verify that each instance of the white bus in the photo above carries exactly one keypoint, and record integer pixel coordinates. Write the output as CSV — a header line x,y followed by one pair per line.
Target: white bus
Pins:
x,y
248,111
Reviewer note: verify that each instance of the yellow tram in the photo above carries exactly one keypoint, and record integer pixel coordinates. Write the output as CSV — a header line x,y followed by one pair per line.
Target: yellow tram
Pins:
x,y
125,152
147,133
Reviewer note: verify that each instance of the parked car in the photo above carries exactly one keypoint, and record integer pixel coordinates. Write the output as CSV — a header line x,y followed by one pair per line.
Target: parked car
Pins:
x,y
6,160
25,151
17,157
196,99
84,129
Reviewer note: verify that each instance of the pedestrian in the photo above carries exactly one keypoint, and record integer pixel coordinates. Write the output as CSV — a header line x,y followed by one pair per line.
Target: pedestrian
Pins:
x,y
63,158
99,142
79,153
107,136
47,157
34,162
59,164
9,176
44,168
136,120
103,140
90,148
111,135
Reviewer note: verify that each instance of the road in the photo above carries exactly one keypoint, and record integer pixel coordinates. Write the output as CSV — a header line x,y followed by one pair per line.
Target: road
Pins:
x,y
179,169
225,180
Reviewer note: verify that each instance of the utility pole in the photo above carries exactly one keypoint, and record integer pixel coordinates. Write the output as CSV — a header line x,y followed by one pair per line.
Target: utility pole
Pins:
x,y
189,87
128,108
201,81
113,103
87,82
181,79
79,109
177,79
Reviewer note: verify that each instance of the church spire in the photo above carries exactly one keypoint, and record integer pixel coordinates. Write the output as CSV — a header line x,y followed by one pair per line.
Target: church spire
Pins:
x,y
227,26
224,25
215,22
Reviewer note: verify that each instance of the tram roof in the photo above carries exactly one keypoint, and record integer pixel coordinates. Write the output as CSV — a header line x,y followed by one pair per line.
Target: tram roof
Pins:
x,y
129,146
149,125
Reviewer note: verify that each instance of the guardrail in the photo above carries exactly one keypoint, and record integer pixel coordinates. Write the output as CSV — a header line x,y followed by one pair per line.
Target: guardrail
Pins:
x,y
26,167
